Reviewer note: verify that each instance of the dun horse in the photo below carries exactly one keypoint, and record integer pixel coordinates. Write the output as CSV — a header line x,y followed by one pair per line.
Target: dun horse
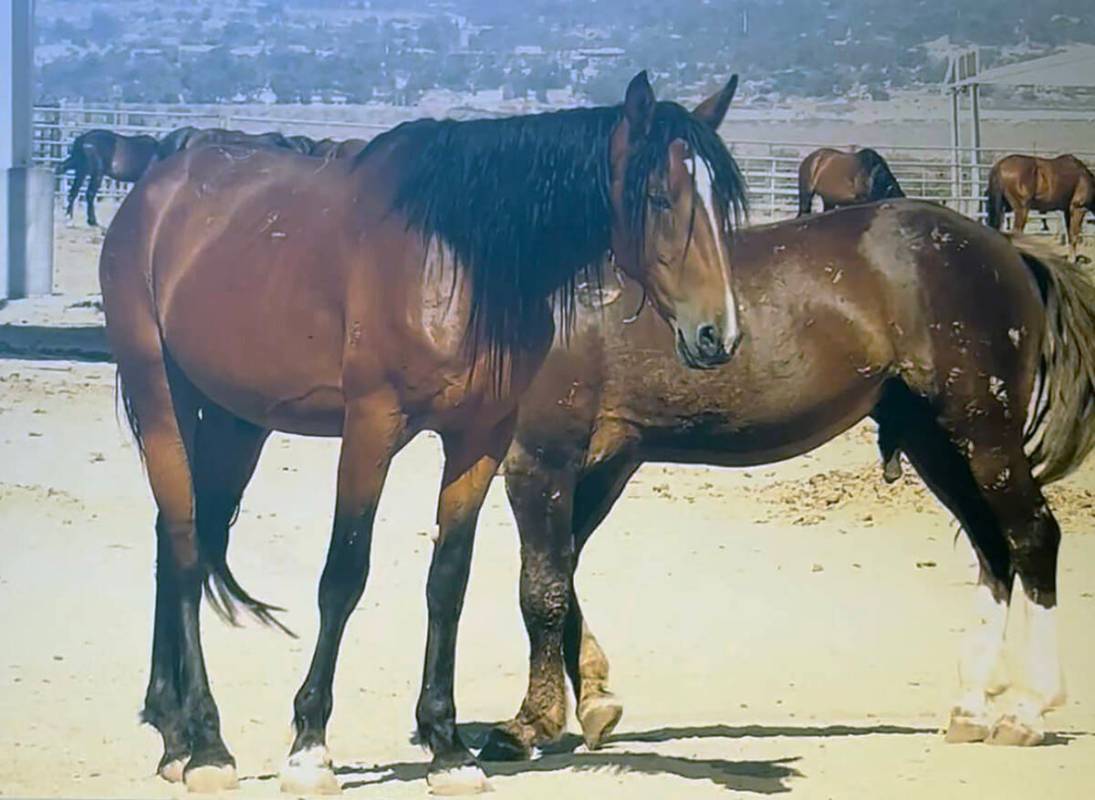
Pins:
x,y
410,288
844,179
1019,183
876,310
100,153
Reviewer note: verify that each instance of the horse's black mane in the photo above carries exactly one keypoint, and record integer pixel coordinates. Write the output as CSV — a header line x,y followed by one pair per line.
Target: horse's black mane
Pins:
x,y
883,183
523,202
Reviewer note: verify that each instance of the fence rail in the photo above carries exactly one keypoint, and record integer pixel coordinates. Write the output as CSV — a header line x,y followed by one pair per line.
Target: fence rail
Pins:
x,y
770,168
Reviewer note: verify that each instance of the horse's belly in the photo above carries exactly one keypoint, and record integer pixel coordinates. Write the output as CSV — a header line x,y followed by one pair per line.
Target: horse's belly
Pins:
x,y
262,362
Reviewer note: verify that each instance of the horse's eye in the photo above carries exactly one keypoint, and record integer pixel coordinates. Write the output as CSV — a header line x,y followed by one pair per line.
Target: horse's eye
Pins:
x,y
660,202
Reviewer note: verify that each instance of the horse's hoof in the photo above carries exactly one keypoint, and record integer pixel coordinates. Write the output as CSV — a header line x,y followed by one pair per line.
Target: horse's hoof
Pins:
x,y
172,771
598,717
309,772
211,779
468,779
1011,732
503,745
964,729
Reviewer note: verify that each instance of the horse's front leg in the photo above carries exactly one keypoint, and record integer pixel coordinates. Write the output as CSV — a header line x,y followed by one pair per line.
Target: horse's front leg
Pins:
x,y
372,427
471,460
542,498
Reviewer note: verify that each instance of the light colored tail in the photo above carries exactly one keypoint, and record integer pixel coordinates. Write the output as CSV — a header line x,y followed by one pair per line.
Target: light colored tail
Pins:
x,y
1060,429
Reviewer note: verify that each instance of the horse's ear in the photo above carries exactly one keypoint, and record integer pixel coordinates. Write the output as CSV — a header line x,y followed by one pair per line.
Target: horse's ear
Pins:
x,y
712,111
639,105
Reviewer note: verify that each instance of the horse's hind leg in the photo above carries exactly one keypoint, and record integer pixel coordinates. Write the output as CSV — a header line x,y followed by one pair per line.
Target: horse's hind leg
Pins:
x,y
946,470
371,430
1076,216
74,188
93,184
471,460
1033,538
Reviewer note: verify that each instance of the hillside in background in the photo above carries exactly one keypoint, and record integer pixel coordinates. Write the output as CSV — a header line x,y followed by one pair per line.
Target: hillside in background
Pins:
x,y
293,51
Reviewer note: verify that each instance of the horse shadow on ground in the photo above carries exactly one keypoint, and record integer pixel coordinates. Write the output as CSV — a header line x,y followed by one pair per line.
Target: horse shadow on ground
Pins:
x,y
748,776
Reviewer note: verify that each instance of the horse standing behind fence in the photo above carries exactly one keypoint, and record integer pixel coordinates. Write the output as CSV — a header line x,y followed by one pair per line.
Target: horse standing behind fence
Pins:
x,y
877,310
98,154
844,179
410,288
1019,183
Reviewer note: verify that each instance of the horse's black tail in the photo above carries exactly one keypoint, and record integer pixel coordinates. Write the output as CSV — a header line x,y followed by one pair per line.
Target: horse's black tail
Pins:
x,y
221,588
75,157
995,203
1059,431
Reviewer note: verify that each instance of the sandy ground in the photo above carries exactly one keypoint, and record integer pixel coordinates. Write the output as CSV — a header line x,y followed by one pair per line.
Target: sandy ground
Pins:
x,y
789,629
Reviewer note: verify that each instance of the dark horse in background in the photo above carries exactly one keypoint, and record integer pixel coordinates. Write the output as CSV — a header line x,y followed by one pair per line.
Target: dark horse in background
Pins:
x,y
98,154
1019,183
875,310
415,287
844,179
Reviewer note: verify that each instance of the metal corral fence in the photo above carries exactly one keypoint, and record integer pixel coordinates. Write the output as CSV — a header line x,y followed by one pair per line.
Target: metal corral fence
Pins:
x,y
770,168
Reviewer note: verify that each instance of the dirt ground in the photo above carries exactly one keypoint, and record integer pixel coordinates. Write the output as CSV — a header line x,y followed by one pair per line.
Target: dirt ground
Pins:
x,y
787,629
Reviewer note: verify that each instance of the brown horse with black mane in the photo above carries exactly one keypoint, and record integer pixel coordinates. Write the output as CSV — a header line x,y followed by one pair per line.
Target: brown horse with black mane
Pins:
x,y
335,148
844,179
875,311
99,154
188,137
1019,183
410,288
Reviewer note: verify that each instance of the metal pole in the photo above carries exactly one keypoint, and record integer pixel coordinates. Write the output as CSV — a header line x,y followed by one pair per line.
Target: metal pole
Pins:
x,y
956,179
26,219
975,150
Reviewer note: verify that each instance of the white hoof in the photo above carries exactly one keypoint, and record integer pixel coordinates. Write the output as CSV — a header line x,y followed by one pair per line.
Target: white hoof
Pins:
x,y
1009,731
210,780
598,717
965,728
172,771
309,772
460,780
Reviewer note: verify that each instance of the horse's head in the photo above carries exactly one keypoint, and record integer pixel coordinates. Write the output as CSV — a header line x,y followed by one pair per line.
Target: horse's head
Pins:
x,y
676,192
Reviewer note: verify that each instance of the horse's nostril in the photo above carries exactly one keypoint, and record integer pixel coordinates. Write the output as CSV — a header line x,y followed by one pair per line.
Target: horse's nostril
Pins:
x,y
708,341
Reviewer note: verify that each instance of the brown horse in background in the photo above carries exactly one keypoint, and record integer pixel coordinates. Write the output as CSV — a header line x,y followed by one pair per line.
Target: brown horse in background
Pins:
x,y
187,137
844,179
334,148
411,288
1019,183
99,154
875,311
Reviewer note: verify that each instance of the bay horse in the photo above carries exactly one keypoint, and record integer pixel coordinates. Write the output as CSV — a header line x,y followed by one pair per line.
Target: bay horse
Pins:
x,y
98,154
187,137
335,148
1019,183
876,310
414,287
844,179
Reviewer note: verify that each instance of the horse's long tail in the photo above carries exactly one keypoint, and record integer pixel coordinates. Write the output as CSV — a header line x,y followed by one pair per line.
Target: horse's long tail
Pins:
x,y
221,588
995,204
75,157
806,186
1059,431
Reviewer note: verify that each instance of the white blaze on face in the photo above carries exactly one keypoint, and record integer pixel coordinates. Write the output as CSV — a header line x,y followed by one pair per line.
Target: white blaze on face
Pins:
x,y
705,189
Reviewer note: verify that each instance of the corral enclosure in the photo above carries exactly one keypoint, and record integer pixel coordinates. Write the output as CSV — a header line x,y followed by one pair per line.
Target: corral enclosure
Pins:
x,y
911,133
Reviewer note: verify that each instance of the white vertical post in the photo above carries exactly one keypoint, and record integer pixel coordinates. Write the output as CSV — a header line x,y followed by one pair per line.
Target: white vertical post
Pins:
x,y
26,222
956,177
975,150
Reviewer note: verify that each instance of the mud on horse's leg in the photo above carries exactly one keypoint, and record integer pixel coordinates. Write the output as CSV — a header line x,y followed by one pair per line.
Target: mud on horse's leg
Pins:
x,y
371,429
542,498
471,460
